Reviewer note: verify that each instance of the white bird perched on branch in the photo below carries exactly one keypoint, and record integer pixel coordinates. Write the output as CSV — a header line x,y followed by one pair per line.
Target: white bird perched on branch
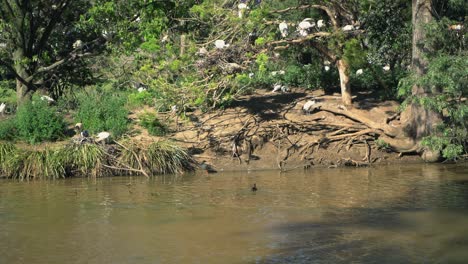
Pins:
x,y
283,27
221,44
78,44
242,7
359,72
348,28
327,68
320,23
386,67
304,26
102,136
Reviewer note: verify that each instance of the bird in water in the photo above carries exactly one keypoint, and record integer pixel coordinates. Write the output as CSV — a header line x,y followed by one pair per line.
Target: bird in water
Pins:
x,y
254,187
207,167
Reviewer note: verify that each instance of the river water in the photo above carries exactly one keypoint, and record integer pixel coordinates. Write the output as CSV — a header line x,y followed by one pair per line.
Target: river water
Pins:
x,y
392,214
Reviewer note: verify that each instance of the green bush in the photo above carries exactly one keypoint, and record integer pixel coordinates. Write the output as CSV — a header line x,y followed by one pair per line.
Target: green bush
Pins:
x,y
139,99
152,124
36,121
103,111
7,129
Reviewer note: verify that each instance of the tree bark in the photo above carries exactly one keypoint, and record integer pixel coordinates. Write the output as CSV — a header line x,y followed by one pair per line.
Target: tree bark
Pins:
x,y
343,69
421,15
23,91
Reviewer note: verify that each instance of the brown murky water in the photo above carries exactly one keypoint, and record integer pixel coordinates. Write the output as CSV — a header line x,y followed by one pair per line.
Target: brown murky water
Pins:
x,y
395,214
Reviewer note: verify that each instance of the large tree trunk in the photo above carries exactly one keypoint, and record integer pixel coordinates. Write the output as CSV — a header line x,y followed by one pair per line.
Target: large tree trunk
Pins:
x,y
23,91
421,15
418,120
343,69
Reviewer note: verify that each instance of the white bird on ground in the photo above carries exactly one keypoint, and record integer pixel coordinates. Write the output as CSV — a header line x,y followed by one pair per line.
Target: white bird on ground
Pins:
x,y
78,44
47,98
348,28
141,89
2,108
359,72
386,67
251,75
102,136
276,87
165,38
221,44
242,7
283,27
309,106
304,26
320,23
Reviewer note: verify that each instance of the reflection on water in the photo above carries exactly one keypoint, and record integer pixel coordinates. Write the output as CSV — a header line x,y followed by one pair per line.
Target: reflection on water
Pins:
x,y
395,214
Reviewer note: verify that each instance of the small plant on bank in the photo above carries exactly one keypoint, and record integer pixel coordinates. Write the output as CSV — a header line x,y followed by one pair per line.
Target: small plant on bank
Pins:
x,y
382,145
151,122
36,121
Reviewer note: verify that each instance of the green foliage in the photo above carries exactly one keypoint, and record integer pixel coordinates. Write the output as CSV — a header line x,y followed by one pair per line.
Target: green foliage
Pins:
x,y
7,93
139,99
382,145
151,122
36,121
7,129
103,111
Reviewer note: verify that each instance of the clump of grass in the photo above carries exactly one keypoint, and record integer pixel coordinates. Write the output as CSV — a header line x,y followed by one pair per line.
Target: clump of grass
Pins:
x,y
164,157
161,157
92,160
10,160
86,159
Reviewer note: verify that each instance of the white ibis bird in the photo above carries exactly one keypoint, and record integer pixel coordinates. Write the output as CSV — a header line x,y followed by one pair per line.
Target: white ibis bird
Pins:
x,y
221,44
283,27
78,44
348,28
309,106
359,72
276,87
47,98
242,7
102,136
320,23
79,126
304,26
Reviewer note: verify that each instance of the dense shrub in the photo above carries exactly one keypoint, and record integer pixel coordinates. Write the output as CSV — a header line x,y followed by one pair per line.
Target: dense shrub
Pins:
x,y
36,121
103,111
7,129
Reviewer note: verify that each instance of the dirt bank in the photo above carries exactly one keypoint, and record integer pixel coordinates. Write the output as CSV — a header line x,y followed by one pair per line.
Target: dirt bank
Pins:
x,y
272,131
